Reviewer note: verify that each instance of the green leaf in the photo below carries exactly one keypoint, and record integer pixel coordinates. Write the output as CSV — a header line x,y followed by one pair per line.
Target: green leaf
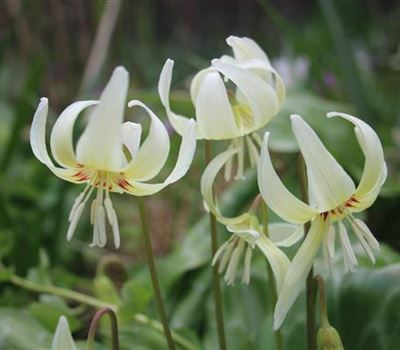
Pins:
x,y
19,330
135,297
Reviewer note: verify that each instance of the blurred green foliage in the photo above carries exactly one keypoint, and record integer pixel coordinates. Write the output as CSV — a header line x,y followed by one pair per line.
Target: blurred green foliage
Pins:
x,y
353,66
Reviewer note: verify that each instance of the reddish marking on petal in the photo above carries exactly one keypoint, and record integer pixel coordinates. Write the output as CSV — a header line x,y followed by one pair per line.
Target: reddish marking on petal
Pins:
x,y
325,215
110,187
123,183
348,205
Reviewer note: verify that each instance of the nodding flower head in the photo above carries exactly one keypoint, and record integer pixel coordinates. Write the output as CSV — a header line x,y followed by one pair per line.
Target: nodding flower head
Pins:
x,y
109,156
333,199
233,98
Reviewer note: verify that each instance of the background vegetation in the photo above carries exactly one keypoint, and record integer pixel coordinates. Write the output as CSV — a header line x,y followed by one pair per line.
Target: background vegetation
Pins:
x,y
334,55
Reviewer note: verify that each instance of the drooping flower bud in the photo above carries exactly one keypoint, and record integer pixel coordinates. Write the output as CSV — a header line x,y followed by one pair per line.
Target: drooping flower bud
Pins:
x,y
328,338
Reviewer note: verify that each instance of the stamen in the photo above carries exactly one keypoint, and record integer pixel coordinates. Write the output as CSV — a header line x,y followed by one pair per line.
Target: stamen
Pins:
x,y
74,220
256,137
227,255
350,260
372,241
233,263
253,152
99,230
113,220
219,252
240,160
363,242
247,265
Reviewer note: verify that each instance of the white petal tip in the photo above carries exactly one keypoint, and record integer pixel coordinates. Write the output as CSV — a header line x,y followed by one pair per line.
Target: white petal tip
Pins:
x,y
231,38
120,70
295,118
44,100
169,62
331,114
132,103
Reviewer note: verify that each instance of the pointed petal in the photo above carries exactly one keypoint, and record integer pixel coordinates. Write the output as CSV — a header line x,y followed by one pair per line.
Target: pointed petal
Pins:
x,y
38,132
276,258
374,174
260,95
38,142
185,157
207,182
350,260
298,270
276,195
177,121
100,146
213,111
245,48
154,151
131,134
62,339
61,139
285,235
329,184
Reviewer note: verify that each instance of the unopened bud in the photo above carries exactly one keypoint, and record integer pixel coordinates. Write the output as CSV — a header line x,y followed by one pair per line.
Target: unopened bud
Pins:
x,y
329,339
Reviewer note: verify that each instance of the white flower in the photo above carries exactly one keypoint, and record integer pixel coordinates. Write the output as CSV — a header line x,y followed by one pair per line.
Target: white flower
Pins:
x,y
333,198
99,159
247,233
62,339
233,98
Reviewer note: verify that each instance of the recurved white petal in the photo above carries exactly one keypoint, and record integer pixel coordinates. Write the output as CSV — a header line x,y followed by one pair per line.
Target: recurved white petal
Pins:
x,y
154,151
177,121
38,142
261,97
61,139
299,267
62,339
206,186
100,146
285,235
131,134
185,157
374,174
245,48
276,195
213,111
329,185
276,258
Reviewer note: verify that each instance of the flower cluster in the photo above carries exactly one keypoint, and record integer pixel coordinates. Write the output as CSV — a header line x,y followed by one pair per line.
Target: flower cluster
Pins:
x,y
234,97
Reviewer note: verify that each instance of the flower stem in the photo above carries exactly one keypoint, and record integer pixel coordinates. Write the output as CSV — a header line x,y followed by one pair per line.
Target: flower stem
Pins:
x,y
94,325
310,283
219,315
271,279
153,273
61,292
322,301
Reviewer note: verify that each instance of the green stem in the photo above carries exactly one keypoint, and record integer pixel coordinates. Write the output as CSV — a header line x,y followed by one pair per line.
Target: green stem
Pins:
x,y
219,314
310,283
153,273
61,292
95,323
322,301
88,300
271,279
